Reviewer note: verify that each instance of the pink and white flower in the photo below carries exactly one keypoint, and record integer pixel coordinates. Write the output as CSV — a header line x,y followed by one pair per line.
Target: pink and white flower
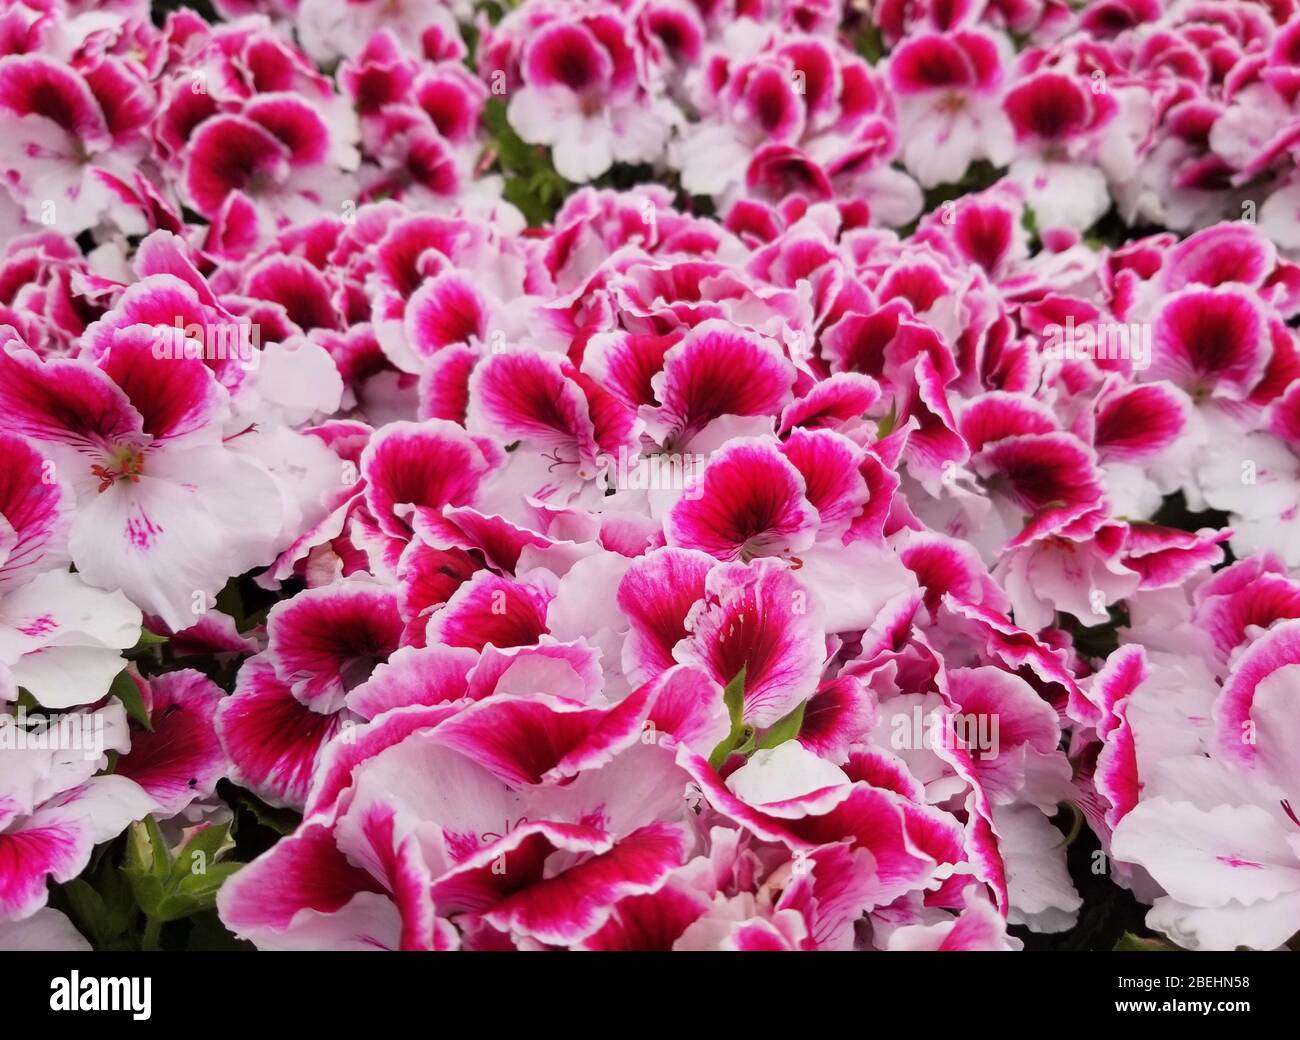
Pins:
x,y
648,476
577,82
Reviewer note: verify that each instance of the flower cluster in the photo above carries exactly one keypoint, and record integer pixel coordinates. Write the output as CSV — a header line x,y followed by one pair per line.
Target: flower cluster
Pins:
x,y
655,474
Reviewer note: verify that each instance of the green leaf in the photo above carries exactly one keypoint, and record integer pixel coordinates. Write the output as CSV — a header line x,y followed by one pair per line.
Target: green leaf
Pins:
x,y
1076,825
1130,942
531,182
199,891
89,911
886,425
146,849
722,752
149,891
194,893
148,865
521,194
869,43
112,884
168,889
734,698
125,690
511,149
1029,221
148,639
101,905
784,728
741,734
204,849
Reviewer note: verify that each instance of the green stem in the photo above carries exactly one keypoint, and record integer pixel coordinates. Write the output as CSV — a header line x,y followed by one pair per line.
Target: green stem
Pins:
x,y
152,933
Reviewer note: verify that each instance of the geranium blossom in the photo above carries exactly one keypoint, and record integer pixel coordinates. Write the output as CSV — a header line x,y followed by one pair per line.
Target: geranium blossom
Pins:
x,y
657,475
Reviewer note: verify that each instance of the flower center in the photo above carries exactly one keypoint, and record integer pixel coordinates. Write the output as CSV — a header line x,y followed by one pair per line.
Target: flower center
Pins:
x,y
952,103
126,463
